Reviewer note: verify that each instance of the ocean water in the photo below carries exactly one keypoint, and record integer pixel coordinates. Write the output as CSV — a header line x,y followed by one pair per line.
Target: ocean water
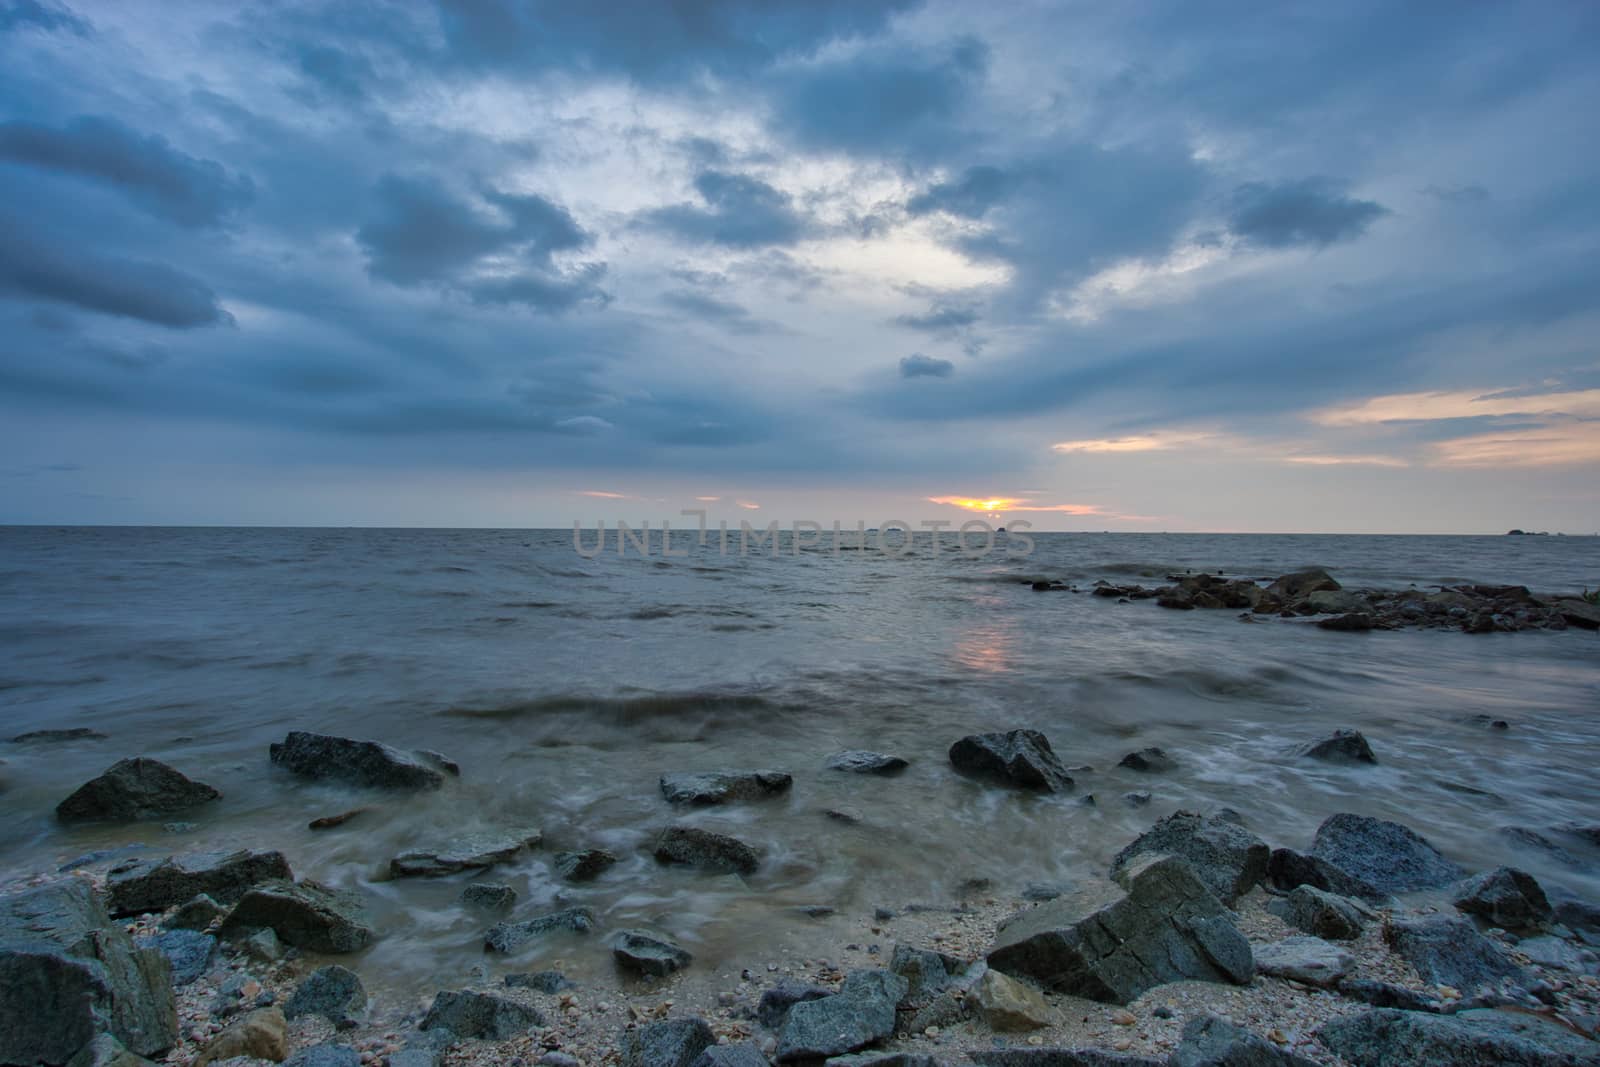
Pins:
x,y
565,686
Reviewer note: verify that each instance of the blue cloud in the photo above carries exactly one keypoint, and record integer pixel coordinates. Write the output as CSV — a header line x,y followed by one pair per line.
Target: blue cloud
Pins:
x,y
970,196
41,15
918,365
1311,211
739,212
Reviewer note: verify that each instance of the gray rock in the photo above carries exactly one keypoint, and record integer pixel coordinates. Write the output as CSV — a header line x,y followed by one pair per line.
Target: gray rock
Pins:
x,y
1579,613
859,761
880,1059
746,1055
1211,1041
1335,601
584,866
416,1057
926,972
669,1043
556,1058
644,953
133,789
1384,855
1022,759
775,1003
1148,760
306,914
196,914
551,982
1136,800
1505,897
694,847
1533,841
74,733
1448,950
485,1016
1229,859
1320,913
1353,622
1478,1038
1301,584
1552,952
1166,927
1309,960
333,992
1288,869
189,952
488,896
721,787
1386,995
370,764
147,885
508,937
1341,746
263,946
467,852
107,1051
862,1013
68,974
327,1054
1059,1057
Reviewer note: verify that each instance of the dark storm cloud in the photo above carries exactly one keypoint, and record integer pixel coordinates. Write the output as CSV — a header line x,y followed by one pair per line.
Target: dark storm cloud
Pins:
x,y
148,169
41,15
918,365
970,196
739,212
1311,211
940,318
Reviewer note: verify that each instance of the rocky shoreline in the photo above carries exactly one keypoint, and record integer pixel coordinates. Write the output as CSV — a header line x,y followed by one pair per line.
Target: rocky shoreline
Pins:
x,y
1203,943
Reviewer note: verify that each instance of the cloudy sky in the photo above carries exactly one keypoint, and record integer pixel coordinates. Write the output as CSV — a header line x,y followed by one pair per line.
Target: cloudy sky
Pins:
x,y
1145,266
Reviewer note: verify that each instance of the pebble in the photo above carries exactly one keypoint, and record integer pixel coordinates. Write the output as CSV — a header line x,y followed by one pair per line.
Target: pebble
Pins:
x,y
1123,1018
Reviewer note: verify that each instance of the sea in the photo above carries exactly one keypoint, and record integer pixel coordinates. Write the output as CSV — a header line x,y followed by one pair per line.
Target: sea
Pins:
x,y
566,684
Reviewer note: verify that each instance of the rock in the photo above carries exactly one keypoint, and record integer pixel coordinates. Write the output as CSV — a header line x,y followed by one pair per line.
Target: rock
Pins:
x,y
644,953
1166,927
584,866
1308,960
1505,897
555,1058
746,1055
468,852
926,972
1354,622
333,992
860,1014
1335,602
416,1056
1320,913
327,1054
508,937
189,952
540,981
1021,759
1341,746
1059,1057
1533,841
328,822
775,1003
222,876
1148,759
669,1043
1301,584
1288,869
1010,1005
360,763
1212,1041
1229,859
720,787
844,814
306,914
133,789
488,896
107,1051
861,762
1552,952
196,914
1578,613
1448,950
68,974
1386,995
1467,1039
881,1059
694,847
263,946
74,733
261,1035
1136,800
480,1015
1384,855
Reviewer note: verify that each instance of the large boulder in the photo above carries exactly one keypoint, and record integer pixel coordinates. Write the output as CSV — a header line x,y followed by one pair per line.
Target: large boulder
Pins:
x,y
1505,897
508,937
1477,1038
1448,950
1341,746
1229,859
1301,584
1212,1041
1321,914
1385,855
132,789
1288,869
645,953
1022,759
860,1014
370,764
68,974
691,846
669,1043
1165,927
307,915
482,1016
155,885
468,852
1308,960
703,789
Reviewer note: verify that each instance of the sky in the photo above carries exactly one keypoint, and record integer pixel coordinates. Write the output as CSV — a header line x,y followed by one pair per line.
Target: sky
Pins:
x,y
1153,266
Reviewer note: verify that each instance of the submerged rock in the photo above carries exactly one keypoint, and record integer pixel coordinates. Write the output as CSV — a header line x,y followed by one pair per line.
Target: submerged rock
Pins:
x,y
709,851
584,866
224,877
1384,855
133,789
333,992
1389,1037
1341,746
1505,897
669,1043
488,896
1148,760
1448,950
74,733
863,762
644,953
1212,1041
1166,927
1022,759
1320,913
721,787
480,1015
468,852
328,822
1229,859
508,937
860,1014
1309,960
361,763
307,915
68,974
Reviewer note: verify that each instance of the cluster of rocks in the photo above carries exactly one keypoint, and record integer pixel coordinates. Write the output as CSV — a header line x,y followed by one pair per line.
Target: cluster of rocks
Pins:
x,y
1315,594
